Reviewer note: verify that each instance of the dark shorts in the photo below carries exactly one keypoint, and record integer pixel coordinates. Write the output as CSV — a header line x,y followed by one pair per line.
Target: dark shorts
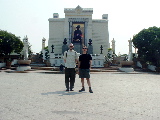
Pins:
x,y
84,73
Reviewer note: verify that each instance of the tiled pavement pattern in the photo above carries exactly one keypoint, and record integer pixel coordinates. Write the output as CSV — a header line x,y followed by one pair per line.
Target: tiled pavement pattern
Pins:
x,y
117,96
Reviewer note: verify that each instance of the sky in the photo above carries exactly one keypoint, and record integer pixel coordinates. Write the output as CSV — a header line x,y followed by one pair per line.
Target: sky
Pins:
x,y
126,18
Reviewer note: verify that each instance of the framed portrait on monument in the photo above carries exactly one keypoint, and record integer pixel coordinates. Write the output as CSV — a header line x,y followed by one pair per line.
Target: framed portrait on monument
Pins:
x,y
78,33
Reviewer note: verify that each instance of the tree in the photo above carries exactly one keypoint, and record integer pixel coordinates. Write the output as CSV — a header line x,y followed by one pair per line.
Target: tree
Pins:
x,y
110,54
47,52
148,41
9,43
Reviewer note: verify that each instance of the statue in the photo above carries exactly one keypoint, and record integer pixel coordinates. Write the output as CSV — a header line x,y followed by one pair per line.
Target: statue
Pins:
x,y
52,46
90,47
65,41
65,46
77,34
101,49
25,48
90,42
26,54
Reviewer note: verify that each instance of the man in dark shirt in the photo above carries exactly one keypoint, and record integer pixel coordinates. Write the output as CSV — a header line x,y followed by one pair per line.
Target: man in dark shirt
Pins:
x,y
84,65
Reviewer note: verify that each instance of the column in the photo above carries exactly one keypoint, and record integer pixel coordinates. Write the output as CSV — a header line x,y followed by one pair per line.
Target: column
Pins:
x,y
85,29
70,31
43,43
130,45
113,45
25,48
130,56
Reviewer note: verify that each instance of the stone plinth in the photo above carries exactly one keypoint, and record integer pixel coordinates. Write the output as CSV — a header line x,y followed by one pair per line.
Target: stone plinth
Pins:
x,y
90,49
126,63
23,65
77,47
127,69
24,62
64,48
126,66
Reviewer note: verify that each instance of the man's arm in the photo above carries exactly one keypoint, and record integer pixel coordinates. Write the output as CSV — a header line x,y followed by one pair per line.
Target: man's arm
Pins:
x,y
90,62
76,57
64,57
76,60
79,62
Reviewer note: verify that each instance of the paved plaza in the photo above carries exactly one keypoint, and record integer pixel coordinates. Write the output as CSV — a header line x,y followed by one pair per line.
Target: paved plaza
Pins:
x,y
117,96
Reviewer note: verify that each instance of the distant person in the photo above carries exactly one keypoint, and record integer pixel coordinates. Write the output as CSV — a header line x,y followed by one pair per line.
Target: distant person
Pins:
x,y
70,59
77,34
84,65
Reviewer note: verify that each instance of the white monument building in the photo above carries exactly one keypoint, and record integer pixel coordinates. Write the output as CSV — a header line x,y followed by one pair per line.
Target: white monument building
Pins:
x,y
78,28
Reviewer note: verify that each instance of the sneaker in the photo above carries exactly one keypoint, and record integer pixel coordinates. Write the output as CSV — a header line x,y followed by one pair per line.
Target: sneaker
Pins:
x,y
67,89
82,90
90,91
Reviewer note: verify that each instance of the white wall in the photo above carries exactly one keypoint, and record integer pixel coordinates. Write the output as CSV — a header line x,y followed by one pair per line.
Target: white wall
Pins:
x,y
56,35
100,36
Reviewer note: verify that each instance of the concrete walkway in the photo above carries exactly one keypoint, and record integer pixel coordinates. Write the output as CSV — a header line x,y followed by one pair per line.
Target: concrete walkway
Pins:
x,y
117,96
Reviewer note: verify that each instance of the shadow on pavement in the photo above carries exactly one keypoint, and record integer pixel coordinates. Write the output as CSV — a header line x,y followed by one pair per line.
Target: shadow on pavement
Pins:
x,y
61,93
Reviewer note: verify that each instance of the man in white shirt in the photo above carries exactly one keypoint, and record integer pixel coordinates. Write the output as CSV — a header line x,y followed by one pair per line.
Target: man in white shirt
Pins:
x,y
70,59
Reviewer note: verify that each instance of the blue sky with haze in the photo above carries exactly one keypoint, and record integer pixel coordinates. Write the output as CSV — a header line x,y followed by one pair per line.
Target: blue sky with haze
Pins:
x,y
126,18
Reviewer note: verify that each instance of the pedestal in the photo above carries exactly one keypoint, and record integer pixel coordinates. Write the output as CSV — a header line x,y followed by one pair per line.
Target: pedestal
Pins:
x,y
64,48
126,69
23,65
126,66
78,47
23,68
90,49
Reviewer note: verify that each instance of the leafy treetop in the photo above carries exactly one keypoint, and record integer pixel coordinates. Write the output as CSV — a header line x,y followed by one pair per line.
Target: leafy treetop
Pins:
x,y
148,41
